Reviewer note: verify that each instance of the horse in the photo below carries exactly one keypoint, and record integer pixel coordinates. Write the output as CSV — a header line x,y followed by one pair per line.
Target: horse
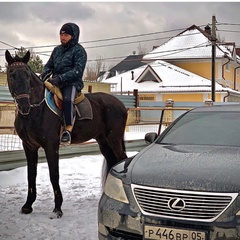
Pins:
x,y
39,127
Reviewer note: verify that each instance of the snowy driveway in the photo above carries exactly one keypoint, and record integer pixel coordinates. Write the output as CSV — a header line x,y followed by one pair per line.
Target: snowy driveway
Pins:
x,y
80,180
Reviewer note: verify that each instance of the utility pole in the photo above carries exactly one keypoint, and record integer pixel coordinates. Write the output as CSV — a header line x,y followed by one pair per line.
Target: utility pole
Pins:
x,y
213,39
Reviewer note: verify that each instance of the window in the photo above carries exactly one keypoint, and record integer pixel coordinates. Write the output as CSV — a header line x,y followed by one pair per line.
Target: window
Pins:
x,y
205,128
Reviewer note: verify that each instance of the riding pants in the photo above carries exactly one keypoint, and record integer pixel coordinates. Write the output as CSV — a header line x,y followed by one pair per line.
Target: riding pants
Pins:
x,y
69,93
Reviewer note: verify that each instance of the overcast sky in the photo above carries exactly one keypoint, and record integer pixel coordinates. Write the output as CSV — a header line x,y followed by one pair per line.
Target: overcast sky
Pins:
x,y
129,25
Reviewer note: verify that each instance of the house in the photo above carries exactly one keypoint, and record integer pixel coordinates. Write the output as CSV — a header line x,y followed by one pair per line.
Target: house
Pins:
x,y
160,81
192,51
180,69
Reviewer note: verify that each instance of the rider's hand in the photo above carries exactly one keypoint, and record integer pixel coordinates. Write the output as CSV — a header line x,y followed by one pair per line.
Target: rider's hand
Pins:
x,y
55,80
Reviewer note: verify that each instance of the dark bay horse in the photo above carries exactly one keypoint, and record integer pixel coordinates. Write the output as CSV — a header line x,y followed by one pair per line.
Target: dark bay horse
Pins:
x,y
38,126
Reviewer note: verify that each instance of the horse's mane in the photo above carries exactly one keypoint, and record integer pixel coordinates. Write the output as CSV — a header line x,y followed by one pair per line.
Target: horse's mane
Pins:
x,y
17,59
35,75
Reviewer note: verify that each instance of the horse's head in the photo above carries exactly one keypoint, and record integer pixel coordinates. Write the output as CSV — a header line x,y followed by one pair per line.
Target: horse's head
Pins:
x,y
20,84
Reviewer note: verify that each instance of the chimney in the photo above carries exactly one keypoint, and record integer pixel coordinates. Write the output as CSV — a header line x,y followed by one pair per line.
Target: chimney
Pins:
x,y
132,72
208,30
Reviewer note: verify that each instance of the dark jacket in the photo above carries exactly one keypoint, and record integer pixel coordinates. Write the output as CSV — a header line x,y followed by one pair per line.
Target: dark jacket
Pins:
x,y
68,62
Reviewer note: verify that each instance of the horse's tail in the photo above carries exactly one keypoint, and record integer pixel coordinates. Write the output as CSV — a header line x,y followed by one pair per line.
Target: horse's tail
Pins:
x,y
106,166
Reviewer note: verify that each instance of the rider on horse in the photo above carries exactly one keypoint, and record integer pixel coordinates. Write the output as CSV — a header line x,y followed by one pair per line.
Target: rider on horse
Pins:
x,y
66,64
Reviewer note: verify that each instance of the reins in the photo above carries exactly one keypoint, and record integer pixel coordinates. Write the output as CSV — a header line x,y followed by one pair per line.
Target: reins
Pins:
x,y
25,95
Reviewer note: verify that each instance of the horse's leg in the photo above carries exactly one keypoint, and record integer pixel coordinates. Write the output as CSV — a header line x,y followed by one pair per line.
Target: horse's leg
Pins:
x,y
52,154
32,160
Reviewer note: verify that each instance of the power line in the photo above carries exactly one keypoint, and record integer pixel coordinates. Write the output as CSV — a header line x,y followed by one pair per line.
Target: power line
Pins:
x,y
167,52
124,37
117,44
224,30
230,24
106,45
137,35
8,45
148,40
114,38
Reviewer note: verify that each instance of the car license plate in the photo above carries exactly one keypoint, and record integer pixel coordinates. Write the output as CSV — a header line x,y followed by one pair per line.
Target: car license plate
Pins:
x,y
164,233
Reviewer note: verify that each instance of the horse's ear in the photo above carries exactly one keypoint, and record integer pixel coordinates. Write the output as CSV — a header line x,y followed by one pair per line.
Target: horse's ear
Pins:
x,y
8,57
26,58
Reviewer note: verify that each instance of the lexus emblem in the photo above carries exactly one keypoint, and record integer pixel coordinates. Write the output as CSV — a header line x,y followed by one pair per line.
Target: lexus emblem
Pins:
x,y
176,204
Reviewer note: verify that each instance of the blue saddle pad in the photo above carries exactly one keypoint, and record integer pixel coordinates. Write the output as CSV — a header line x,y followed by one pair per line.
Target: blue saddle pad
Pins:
x,y
51,104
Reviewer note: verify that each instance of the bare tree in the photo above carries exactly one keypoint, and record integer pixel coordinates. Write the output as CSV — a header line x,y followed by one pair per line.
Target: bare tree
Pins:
x,y
89,73
142,49
93,69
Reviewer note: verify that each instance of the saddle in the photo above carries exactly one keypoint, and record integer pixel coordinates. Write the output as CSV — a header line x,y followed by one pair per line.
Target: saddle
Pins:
x,y
54,100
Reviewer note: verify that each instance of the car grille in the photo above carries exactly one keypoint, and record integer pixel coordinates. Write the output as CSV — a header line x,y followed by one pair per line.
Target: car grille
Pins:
x,y
187,205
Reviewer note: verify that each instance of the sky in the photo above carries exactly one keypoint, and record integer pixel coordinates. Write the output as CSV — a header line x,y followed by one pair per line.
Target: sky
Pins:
x,y
110,30
80,182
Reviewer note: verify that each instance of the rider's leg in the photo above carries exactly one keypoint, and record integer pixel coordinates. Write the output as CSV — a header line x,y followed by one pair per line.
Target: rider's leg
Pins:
x,y
69,94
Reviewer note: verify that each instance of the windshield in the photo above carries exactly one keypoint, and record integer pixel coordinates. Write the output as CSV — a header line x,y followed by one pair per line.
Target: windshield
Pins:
x,y
205,128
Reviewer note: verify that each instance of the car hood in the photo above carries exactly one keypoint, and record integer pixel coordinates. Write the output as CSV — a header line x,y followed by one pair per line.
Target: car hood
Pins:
x,y
200,168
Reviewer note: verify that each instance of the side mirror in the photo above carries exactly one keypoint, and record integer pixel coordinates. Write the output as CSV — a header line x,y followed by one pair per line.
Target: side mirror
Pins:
x,y
150,137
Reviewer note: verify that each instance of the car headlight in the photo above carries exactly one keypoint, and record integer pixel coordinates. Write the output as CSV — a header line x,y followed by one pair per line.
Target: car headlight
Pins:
x,y
114,189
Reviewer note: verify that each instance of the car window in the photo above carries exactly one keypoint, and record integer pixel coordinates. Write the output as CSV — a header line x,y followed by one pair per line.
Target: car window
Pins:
x,y
205,128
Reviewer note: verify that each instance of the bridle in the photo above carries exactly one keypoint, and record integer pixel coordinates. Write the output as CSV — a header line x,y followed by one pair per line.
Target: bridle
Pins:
x,y
16,97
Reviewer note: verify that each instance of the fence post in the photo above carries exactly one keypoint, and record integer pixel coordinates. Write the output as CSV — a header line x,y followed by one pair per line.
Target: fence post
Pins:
x,y
135,93
90,88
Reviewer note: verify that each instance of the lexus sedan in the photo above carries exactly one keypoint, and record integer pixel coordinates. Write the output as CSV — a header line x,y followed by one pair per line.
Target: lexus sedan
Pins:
x,y
183,186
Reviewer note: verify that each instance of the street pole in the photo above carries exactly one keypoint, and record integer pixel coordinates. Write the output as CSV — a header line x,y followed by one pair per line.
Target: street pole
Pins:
x,y
213,39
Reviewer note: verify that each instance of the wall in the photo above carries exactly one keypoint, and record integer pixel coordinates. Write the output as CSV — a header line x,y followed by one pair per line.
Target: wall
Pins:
x,y
201,68
7,117
184,97
96,87
204,69
3,79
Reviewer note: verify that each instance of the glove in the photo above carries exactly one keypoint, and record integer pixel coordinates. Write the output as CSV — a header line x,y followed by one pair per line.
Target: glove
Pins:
x,y
55,80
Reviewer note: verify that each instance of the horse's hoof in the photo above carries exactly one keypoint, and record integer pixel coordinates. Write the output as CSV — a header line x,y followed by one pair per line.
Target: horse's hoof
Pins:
x,y
26,210
56,214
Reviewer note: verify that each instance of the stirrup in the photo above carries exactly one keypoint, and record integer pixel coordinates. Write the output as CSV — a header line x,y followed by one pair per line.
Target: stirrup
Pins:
x,y
66,137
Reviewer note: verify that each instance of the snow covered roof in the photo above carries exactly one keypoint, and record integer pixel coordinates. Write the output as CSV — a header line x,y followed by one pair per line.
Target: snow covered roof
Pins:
x,y
160,76
129,63
191,43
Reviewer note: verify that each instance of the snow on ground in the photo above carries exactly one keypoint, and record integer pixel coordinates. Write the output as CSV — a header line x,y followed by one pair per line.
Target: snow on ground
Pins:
x,y
80,181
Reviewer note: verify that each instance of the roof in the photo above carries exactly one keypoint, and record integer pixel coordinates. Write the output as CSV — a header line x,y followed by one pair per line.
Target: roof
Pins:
x,y
129,63
191,43
160,76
